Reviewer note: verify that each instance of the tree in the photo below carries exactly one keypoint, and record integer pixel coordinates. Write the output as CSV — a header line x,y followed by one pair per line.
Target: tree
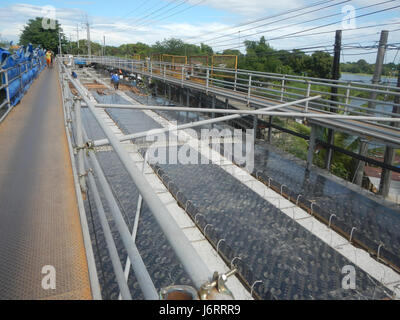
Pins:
x,y
47,38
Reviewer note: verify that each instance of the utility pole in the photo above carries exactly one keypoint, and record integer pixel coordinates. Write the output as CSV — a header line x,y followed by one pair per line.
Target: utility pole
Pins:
x,y
334,91
375,80
386,175
88,40
59,43
77,37
104,45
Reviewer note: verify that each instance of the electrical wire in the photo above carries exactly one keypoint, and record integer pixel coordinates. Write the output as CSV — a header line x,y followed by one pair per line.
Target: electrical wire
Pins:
x,y
280,20
260,19
162,13
322,26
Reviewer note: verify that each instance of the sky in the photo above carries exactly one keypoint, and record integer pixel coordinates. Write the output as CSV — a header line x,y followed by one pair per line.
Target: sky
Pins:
x,y
218,23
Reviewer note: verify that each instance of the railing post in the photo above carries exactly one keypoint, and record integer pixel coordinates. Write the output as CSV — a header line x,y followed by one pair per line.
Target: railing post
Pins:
x,y
79,141
235,85
249,91
151,70
308,95
7,90
165,72
183,73
347,97
283,87
208,80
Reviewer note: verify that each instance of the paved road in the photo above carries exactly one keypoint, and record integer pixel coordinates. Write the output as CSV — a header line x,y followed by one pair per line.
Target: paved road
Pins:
x,y
39,218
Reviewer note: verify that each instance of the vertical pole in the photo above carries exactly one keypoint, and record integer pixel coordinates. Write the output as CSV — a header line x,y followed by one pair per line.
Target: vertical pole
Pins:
x,y
77,37
311,147
386,176
207,80
104,45
358,175
226,103
234,88
283,88
88,41
308,95
334,91
7,90
255,126
59,43
269,128
213,105
347,98
187,97
79,141
379,65
375,80
249,91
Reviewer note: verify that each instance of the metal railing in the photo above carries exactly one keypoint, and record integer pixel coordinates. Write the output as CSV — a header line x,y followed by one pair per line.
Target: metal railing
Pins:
x,y
88,168
21,68
353,98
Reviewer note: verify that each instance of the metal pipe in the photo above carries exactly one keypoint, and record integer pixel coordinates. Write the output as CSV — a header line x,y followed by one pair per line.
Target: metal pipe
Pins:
x,y
142,275
191,261
205,110
116,263
93,278
103,142
79,141
135,227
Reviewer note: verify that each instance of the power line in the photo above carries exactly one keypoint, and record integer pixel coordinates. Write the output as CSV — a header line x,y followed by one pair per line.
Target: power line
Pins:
x,y
153,12
279,20
260,19
162,13
183,10
314,28
315,19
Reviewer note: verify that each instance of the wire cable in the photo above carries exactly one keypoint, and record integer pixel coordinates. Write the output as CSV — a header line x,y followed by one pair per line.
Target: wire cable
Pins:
x,y
322,26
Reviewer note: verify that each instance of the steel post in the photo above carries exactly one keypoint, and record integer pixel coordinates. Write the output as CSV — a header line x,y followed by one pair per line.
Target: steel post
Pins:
x,y
193,264
115,261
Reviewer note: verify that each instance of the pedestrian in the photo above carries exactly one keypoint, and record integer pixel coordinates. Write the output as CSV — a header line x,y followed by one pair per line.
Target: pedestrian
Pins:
x,y
115,80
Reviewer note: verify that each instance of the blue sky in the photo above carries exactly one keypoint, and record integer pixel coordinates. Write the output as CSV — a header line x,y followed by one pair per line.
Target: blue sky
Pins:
x,y
125,21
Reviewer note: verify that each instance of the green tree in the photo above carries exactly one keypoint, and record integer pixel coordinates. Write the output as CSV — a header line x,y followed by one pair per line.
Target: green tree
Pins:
x,y
34,33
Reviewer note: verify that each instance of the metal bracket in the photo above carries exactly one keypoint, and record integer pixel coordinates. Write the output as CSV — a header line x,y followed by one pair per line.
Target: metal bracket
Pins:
x,y
86,173
216,289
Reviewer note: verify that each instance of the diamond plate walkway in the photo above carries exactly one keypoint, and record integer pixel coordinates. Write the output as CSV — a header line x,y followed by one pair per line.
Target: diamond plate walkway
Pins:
x,y
39,217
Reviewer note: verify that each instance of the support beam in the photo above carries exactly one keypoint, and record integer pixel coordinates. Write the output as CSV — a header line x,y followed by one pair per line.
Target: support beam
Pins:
x,y
386,176
334,91
311,147
359,174
375,80
213,105
269,128
329,151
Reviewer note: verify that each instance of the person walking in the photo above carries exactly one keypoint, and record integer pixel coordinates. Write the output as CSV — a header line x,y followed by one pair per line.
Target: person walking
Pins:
x,y
48,58
115,80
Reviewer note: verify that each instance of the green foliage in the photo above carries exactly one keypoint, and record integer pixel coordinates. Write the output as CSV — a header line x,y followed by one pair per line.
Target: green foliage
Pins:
x,y
34,33
362,66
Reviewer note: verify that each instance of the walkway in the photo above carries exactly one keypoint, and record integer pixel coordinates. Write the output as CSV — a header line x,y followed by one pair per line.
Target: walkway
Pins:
x,y
39,217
